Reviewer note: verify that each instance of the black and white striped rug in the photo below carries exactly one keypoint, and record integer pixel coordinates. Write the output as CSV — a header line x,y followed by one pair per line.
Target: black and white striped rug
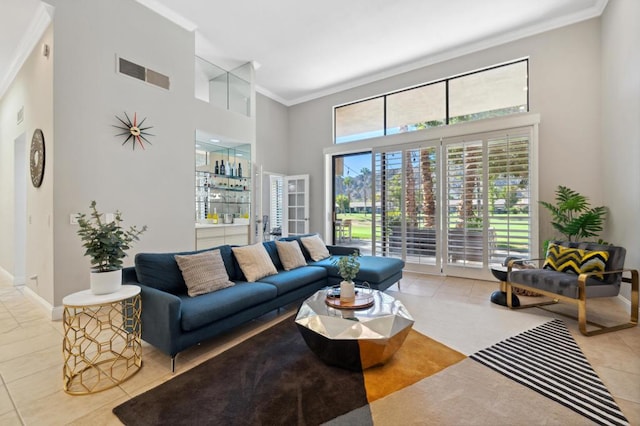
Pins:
x,y
548,360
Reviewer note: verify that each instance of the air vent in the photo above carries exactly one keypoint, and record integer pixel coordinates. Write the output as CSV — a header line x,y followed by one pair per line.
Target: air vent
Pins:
x,y
141,73
20,115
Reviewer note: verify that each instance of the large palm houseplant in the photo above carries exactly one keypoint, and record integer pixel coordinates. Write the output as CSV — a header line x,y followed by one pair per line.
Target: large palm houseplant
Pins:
x,y
106,243
573,216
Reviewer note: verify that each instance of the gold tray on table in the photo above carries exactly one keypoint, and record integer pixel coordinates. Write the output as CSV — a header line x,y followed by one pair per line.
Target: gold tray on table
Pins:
x,y
363,300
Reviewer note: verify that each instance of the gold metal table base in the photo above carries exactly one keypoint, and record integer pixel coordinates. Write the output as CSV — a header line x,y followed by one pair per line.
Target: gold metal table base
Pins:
x,y
102,346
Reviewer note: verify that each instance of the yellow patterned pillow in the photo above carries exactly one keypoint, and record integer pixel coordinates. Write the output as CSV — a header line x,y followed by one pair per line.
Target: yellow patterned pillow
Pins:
x,y
594,261
563,259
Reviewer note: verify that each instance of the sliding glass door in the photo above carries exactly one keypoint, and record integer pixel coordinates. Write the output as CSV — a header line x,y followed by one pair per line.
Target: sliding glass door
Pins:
x,y
353,203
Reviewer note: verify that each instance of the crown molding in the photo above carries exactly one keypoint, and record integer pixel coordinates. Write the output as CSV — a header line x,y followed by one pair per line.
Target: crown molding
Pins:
x,y
169,14
38,25
593,12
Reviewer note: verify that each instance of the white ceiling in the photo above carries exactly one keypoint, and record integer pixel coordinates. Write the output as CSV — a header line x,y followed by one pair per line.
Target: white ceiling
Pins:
x,y
306,49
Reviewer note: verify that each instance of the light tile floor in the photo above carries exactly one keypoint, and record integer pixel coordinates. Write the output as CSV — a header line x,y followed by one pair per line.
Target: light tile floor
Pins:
x,y
31,349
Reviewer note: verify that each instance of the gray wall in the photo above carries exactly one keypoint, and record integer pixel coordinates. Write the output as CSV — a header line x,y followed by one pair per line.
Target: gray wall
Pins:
x,y
272,135
620,147
582,79
564,73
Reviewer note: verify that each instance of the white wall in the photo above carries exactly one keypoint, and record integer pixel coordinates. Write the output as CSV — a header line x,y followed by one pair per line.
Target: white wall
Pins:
x,y
564,73
85,161
32,89
151,187
620,146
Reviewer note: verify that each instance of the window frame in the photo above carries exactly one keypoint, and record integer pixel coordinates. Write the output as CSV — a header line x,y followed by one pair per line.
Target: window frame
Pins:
x,y
446,81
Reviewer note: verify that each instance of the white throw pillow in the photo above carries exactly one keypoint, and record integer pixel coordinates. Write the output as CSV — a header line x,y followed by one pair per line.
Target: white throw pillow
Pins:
x,y
290,254
316,247
203,272
254,261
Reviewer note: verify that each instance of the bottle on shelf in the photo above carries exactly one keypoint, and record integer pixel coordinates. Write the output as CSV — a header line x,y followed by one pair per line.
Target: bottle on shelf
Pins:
x,y
239,170
215,215
222,168
216,170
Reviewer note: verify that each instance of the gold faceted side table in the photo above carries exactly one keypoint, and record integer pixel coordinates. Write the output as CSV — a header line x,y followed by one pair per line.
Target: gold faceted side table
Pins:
x,y
102,346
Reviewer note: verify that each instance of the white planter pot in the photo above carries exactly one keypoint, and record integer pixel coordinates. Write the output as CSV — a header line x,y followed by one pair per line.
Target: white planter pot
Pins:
x,y
106,282
347,292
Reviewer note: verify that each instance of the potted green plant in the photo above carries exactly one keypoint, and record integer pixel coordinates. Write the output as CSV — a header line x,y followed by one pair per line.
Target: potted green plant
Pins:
x,y
106,243
573,215
348,267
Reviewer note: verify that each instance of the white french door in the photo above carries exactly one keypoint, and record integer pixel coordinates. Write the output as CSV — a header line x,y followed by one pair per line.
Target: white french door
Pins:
x,y
295,220
455,205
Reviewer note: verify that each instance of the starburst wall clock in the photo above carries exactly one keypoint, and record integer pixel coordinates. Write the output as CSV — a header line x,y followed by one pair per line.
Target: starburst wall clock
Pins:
x,y
133,130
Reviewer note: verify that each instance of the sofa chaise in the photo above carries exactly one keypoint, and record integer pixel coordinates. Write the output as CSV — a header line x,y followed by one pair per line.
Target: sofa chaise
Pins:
x,y
173,321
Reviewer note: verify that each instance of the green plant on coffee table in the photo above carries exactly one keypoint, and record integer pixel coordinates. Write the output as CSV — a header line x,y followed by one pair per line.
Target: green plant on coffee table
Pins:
x,y
106,242
348,266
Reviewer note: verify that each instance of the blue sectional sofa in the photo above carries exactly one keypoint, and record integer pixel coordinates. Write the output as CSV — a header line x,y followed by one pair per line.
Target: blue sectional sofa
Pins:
x,y
173,321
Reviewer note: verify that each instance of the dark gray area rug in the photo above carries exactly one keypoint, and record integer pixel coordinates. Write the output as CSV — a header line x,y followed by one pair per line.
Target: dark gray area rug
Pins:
x,y
270,379
548,360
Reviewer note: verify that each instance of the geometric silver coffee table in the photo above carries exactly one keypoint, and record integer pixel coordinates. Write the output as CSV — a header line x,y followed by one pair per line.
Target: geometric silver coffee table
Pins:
x,y
354,339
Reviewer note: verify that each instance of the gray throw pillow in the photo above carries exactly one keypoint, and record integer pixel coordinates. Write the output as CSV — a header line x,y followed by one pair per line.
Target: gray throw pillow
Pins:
x,y
254,261
290,254
203,272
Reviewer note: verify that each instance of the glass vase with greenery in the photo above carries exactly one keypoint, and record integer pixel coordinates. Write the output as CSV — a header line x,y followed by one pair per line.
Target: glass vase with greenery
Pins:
x,y
348,266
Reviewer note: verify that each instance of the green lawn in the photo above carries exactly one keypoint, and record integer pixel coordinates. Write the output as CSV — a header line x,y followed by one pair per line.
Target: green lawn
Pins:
x,y
516,224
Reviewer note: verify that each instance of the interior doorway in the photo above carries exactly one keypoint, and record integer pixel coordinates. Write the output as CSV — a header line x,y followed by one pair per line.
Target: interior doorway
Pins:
x,y
272,201
295,220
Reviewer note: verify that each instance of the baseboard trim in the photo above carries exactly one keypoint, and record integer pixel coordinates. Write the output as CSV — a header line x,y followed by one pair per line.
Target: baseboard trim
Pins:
x,y
55,312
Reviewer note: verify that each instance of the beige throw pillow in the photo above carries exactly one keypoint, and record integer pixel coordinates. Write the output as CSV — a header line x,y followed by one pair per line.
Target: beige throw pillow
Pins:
x,y
203,272
290,254
254,261
316,247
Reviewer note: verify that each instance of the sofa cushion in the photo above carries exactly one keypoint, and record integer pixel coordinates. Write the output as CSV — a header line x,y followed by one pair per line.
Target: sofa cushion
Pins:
x,y
316,247
561,283
290,255
203,272
254,261
286,281
208,308
272,249
161,271
373,269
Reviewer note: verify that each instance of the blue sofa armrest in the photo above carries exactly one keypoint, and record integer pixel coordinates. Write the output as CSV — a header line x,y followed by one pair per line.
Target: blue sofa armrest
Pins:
x,y
129,276
342,250
161,315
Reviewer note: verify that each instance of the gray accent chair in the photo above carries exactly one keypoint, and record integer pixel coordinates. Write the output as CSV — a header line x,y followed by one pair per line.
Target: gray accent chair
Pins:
x,y
576,289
